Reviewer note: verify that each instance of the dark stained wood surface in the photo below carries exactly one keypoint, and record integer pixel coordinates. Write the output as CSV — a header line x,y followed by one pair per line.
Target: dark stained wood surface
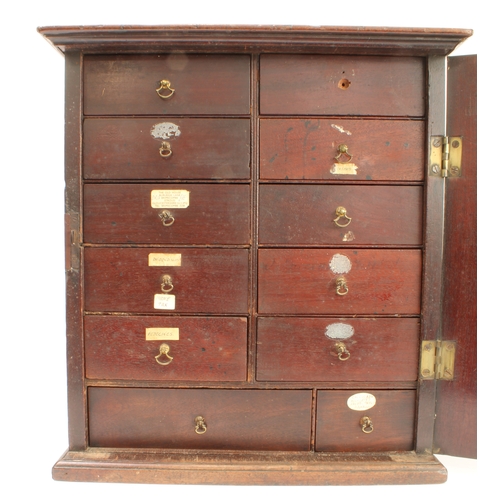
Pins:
x,y
235,420
208,281
295,349
306,148
341,85
300,281
203,84
209,349
218,214
206,148
304,215
338,427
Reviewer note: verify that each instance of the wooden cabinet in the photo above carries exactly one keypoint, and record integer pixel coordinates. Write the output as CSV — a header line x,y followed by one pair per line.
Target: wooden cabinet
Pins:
x,y
255,235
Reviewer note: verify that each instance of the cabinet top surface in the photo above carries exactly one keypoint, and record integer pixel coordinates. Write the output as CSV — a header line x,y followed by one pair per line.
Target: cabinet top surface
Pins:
x,y
242,38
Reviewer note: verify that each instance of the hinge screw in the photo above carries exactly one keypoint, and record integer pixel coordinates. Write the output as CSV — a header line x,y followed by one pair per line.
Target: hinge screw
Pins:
x,y
426,372
455,144
436,143
447,373
455,170
450,347
428,347
435,168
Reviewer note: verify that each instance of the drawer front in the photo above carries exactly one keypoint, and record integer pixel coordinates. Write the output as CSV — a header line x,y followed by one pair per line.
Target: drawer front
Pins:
x,y
310,148
308,281
168,148
167,213
342,85
309,215
133,348
202,84
144,280
339,426
326,349
234,419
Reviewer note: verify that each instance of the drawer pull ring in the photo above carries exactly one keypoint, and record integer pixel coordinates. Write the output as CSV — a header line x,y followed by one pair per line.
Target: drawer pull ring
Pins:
x,y
166,217
165,84
366,425
343,151
165,150
342,288
342,353
166,284
200,425
341,213
164,349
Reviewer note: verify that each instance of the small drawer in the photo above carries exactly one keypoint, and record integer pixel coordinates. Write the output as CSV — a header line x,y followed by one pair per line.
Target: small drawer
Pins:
x,y
167,214
184,280
339,281
337,350
200,419
342,85
166,148
312,214
165,348
332,149
370,421
197,84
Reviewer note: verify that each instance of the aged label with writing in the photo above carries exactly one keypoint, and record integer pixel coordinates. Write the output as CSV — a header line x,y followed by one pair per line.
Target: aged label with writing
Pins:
x,y
164,301
162,334
344,169
169,198
361,401
164,259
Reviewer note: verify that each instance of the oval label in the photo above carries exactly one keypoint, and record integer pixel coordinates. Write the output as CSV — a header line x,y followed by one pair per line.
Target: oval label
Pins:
x,y
361,401
339,331
340,264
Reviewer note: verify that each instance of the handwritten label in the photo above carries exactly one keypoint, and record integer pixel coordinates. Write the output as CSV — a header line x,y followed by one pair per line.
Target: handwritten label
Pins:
x,y
164,259
165,130
162,334
164,301
169,198
344,169
361,401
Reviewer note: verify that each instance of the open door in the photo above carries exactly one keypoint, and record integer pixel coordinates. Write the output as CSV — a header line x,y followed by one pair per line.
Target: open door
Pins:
x,y
456,407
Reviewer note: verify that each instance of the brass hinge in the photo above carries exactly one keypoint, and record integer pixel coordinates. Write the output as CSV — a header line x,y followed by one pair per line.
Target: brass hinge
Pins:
x,y
446,156
437,360
73,241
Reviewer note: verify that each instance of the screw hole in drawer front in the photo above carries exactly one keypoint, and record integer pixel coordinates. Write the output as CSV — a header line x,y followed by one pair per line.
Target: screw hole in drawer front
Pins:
x,y
235,419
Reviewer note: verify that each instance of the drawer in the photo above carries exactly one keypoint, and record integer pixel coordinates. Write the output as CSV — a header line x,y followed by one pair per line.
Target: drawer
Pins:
x,y
327,349
312,148
342,85
339,426
166,279
130,84
233,419
166,148
166,348
308,214
167,213
308,281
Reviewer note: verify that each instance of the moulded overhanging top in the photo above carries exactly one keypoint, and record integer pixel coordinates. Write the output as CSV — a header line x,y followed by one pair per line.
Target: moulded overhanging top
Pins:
x,y
310,39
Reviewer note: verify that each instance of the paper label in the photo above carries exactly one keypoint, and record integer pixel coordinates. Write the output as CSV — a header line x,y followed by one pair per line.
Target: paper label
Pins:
x,y
169,198
164,301
162,334
340,264
344,169
339,331
164,259
361,401
165,130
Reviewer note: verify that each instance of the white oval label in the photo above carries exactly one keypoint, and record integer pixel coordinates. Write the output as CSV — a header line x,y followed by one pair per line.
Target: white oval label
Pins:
x,y
339,331
361,401
340,264
165,130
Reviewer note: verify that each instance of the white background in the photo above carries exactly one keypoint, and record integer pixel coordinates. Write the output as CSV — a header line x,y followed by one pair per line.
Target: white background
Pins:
x,y
33,371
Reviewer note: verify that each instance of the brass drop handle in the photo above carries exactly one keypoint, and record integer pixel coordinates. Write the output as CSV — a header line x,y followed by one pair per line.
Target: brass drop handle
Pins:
x,y
165,85
343,152
341,213
341,351
165,149
341,285
200,425
166,283
166,217
366,425
164,350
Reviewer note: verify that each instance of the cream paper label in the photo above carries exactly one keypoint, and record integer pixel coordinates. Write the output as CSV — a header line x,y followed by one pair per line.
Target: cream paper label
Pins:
x,y
169,198
162,334
164,259
361,401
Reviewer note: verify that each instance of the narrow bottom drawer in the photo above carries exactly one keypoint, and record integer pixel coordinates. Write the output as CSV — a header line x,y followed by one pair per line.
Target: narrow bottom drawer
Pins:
x,y
230,419
365,421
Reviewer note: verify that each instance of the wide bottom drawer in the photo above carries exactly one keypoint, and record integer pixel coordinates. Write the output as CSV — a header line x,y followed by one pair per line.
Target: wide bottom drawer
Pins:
x,y
200,418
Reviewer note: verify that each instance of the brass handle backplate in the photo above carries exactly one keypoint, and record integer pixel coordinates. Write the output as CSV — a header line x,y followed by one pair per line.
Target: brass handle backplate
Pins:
x,y
341,213
165,85
341,351
341,286
166,218
164,350
200,425
166,283
343,152
366,425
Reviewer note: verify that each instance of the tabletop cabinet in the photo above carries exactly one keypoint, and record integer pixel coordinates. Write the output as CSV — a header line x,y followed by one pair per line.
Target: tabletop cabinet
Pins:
x,y
255,234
